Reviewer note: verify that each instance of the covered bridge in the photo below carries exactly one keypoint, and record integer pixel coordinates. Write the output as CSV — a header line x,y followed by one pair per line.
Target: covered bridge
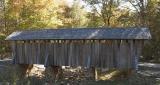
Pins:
x,y
89,47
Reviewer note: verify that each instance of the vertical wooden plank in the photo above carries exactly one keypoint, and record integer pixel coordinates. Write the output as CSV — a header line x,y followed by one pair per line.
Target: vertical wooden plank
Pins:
x,y
54,59
97,53
46,57
70,53
114,53
30,52
138,44
106,54
59,53
92,53
76,53
111,54
25,52
101,54
117,50
133,52
62,53
20,52
34,49
14,54
56,53
38,51
122,58
59,63
42,51
89,55
81,53
17,52
128,48
51,52
65,55
126,54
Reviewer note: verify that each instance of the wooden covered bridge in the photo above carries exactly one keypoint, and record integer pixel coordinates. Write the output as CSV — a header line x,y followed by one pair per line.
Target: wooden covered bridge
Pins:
x,y
88,47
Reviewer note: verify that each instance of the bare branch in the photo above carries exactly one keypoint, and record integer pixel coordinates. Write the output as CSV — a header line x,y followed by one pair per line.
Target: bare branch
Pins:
x,y
96,10
133,6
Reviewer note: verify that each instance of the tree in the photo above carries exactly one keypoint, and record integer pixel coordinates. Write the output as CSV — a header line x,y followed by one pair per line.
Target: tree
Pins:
x,y
2,16
140,6
104,8
64,14
148,15
126,18
74,16
94,19
33,14
78,15
152,49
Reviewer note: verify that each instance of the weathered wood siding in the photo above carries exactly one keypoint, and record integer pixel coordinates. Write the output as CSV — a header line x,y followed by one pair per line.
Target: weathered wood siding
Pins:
x,y
121,54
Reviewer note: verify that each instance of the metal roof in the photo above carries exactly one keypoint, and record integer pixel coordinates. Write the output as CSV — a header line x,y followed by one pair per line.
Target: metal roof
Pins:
x,y
82,33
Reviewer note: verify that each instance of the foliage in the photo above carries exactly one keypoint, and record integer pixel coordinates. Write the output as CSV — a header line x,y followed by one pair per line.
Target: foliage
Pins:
x,y
74,16
94,20
78,15
152,49
2,47
33,13
104,9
